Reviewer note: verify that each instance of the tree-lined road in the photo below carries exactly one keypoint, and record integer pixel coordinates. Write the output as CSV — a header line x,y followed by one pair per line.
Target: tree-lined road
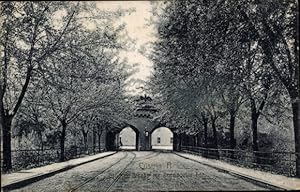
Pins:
x,y
142,171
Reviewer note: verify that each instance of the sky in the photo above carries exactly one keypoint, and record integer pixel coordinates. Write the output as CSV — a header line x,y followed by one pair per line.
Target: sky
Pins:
x,y
143,34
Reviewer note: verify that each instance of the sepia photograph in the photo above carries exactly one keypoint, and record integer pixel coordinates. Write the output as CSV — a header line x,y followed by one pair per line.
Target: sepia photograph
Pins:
x,y
175,95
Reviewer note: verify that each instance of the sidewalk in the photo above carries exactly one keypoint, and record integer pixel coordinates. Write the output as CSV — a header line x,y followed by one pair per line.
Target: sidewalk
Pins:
x,y
20,178
283,182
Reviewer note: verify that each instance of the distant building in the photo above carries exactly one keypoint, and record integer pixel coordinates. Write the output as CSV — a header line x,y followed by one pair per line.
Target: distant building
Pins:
x,y
150,135
145,107
162,138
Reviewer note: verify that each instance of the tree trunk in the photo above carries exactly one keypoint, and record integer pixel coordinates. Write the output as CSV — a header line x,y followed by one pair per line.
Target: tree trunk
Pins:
x,y
296,122
85,134
94,140
99,133
180,141
199,140
255,113
254,120
205,125
85,142
215,135
99,142
62,141
6,131
192,138
40,135
41,146
231,131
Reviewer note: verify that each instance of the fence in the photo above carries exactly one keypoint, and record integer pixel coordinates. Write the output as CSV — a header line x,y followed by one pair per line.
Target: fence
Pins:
x,y
275,162
25,159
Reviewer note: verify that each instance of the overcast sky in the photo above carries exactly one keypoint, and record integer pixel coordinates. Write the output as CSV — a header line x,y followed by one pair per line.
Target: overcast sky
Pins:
x,y
136,25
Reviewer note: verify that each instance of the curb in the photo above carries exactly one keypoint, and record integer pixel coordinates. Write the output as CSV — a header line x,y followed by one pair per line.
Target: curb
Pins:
x,y
240,175
24,182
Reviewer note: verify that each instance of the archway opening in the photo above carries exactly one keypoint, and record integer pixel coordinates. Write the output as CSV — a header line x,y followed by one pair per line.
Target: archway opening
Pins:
x,y
128,139
162,139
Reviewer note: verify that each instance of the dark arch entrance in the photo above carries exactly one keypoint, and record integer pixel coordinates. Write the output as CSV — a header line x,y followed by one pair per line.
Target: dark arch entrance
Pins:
x,y
110,141
113,139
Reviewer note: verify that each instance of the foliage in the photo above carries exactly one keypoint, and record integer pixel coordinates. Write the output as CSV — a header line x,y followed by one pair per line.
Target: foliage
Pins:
x,y
59,60
215,58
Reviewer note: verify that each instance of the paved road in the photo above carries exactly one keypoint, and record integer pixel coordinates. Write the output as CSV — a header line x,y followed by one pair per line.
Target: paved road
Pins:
x,y
142,171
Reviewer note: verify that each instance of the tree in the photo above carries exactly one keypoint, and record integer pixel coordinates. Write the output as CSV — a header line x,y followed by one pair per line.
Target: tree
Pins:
x,y
37,34
185,64
72,95
28,38
224,55
277,26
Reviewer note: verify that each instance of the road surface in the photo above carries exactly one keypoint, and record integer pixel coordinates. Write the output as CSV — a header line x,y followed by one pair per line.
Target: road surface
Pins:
x,y
142,171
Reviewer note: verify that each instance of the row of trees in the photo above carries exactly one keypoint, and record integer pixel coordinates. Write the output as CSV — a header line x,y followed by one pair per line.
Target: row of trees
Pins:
x,y
219,61
59,69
